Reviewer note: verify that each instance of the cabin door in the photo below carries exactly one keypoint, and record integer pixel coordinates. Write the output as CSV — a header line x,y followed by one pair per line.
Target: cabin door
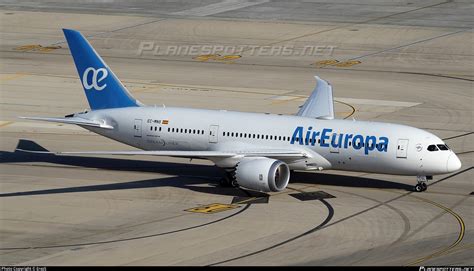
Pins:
x,y
402,148
213,133
137,127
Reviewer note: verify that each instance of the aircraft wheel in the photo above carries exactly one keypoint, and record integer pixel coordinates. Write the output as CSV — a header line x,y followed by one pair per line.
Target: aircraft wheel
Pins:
x,y
224,182
418,188
424,186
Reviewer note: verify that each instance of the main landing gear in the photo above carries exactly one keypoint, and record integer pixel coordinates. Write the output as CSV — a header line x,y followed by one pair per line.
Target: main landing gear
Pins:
x,y
421,185
229,180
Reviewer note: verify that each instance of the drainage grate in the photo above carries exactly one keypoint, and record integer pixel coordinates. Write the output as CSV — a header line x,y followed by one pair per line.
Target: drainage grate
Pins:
x,y
317,195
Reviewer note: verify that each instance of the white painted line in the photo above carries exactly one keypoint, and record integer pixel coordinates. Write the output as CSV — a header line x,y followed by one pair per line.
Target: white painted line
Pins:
x,y
226,5
282,98
350,101
376,102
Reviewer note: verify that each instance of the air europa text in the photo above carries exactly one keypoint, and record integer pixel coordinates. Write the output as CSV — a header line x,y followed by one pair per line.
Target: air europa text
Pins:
x,y
339,140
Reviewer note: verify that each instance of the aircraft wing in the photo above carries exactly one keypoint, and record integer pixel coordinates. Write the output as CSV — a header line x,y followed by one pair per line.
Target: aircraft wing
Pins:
x,y
320,104
287,155
187,154
73,120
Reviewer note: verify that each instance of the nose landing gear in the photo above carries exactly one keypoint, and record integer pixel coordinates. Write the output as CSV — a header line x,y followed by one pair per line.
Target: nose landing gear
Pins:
x,y
421,185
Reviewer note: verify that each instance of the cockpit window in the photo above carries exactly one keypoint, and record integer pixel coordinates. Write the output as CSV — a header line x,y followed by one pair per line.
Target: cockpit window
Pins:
x,y
432,148
443,147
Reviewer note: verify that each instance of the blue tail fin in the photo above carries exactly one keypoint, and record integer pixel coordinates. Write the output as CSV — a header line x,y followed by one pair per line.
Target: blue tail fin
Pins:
x,y
102,87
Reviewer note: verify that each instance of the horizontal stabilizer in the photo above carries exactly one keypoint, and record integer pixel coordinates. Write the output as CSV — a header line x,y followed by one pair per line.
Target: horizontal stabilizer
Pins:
x,y
73,120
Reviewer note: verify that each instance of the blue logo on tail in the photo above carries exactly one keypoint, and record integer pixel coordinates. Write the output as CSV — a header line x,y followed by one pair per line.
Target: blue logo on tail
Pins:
x,y
102,87
94,84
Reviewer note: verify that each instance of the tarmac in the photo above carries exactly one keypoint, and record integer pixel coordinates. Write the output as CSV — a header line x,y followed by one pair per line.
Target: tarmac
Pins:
x,y
393,61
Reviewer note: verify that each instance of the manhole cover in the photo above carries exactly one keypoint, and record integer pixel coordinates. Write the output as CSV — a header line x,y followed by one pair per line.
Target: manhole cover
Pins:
x,y
304,196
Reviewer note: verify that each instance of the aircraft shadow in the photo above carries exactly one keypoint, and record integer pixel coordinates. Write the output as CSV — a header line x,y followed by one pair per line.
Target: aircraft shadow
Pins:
x,y
346,181
178,182
188,176
120,164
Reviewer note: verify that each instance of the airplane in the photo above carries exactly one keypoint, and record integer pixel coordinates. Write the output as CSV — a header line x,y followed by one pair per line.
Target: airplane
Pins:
x,y
258,151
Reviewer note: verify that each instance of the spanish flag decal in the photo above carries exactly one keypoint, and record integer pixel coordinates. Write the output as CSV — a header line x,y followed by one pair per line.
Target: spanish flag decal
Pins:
x,y
164,122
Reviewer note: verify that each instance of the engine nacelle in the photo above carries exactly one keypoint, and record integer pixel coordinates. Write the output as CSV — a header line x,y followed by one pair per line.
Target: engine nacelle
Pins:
x,y
262,174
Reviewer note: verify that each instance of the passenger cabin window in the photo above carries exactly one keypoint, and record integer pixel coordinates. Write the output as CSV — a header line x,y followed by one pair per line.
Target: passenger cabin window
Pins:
x,y
432,148
443,147
247,135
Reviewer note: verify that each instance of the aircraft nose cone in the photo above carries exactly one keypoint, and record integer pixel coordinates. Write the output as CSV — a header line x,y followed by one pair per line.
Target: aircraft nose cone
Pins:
x,y
453,163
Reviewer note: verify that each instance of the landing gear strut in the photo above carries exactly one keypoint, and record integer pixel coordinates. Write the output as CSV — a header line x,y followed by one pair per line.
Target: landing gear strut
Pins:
x,y
421,186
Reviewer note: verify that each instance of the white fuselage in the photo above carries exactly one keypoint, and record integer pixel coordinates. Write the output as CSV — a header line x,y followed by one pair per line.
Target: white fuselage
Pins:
x,y
356,146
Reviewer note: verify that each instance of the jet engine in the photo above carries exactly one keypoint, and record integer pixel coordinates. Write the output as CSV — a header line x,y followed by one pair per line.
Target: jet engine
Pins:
x,y
262,174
